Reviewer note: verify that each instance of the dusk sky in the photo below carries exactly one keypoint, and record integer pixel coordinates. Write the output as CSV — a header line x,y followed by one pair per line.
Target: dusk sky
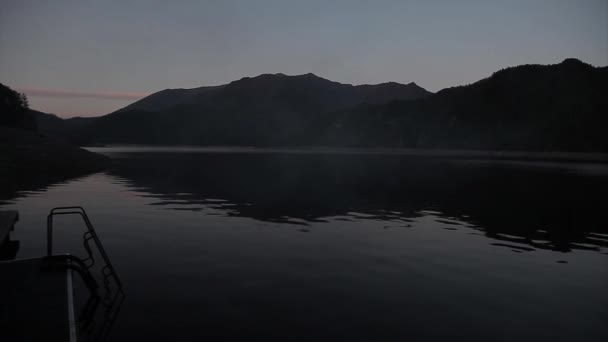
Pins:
x,y
87,58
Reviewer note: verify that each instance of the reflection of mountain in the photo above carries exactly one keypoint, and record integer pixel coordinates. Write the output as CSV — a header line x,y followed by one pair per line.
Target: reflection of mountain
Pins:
x,y
544,207
30,161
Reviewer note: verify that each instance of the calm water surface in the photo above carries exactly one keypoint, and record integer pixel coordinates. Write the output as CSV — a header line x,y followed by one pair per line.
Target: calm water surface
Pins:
x,y
229,243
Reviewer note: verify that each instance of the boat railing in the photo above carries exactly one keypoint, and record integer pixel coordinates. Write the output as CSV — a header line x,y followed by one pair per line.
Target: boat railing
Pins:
x,y
107,270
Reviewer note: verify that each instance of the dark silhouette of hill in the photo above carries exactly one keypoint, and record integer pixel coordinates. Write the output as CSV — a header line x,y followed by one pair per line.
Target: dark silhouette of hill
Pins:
x,y
270,109
526,108
168,98
530,107
46,121
28,156
68,129
14,109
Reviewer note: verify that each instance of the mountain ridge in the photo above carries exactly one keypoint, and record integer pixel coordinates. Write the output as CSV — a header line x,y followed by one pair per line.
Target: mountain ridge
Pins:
x,y
526,107
180,96
269,109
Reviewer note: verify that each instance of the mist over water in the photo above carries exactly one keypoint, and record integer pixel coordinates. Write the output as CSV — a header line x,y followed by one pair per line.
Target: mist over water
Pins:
x,y
357,246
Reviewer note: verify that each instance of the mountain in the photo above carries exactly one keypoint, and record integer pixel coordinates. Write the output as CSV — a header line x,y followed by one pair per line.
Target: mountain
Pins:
x,y
170,97
14,110
271,84
561,107
53,125
558,107
29,158
270,109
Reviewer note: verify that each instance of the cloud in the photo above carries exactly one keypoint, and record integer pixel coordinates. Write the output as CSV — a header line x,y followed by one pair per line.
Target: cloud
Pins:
x,y
112,95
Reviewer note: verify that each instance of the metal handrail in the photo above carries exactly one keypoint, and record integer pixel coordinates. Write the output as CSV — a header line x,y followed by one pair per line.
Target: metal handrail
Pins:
x,y
74,263
77,210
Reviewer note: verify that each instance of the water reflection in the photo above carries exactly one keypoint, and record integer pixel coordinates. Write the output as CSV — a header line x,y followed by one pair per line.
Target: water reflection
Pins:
x,y
97,315
524,205
272,246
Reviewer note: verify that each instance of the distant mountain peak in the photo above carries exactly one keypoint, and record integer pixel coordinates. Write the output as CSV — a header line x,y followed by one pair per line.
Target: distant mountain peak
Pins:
x,y
278,92
573,61
265,76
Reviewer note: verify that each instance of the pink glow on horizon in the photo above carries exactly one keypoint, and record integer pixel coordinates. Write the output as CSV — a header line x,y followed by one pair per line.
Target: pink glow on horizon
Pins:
x,y
76,93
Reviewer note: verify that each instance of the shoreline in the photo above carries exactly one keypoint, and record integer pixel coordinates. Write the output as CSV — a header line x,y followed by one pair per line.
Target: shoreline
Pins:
x,y
590,157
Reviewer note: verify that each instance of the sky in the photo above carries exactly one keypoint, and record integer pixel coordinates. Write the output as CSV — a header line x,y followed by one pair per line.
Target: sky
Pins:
x,y
89,58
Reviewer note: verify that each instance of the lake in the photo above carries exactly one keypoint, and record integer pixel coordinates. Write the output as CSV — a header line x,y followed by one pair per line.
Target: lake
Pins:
x,y
228,243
